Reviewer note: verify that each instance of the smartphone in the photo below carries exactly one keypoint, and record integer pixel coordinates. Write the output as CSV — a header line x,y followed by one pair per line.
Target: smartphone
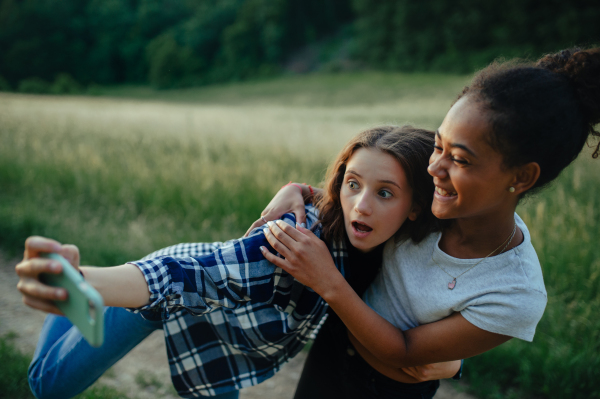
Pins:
x,y
84,306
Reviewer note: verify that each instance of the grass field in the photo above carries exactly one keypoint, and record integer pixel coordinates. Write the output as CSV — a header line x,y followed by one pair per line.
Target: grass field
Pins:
x,y
133,170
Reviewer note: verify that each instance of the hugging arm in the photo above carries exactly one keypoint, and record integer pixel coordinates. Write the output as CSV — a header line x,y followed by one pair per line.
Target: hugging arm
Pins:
x,y
290,199
445,340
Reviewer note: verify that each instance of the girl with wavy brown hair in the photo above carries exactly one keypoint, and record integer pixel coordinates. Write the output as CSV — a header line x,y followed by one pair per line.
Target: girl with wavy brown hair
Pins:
x,y
252,314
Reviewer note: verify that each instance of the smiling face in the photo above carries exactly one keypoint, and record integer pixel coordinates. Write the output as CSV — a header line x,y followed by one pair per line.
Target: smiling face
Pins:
x,y
376,198
469,176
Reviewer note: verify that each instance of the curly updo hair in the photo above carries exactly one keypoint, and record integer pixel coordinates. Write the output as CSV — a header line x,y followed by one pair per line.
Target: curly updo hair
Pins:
x,y
541,112
411,147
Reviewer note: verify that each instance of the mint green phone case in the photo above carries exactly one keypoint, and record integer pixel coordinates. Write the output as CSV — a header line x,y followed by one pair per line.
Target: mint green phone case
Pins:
x,y
84,306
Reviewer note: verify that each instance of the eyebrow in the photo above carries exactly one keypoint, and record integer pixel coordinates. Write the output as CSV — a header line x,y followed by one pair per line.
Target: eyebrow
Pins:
x,y
456,145
380,181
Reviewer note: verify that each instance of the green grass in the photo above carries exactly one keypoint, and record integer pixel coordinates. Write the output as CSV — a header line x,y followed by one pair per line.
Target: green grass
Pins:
x,y
315,90
139,169
13,376
13,371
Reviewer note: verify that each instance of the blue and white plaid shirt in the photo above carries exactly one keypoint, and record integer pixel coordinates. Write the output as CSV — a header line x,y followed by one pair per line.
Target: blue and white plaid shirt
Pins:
x,y
236,318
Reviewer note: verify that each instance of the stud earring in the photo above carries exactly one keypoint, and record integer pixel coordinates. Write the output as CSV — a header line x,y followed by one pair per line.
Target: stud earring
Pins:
x,y
511,190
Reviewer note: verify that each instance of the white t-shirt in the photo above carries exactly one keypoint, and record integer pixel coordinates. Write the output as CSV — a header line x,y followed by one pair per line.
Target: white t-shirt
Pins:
x,y
504,294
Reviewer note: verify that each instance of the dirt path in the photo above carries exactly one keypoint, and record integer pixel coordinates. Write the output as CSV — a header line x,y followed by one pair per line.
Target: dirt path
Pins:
x,y
144,372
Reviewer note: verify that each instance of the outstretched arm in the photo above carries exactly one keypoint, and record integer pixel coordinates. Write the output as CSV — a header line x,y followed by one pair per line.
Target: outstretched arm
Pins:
x,y
309,261
122,286
232,275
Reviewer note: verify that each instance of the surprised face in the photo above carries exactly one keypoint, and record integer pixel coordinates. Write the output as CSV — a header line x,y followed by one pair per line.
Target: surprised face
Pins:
x,y
376,198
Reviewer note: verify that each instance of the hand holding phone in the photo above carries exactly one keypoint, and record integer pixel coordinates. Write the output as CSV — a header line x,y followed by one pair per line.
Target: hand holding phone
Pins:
x,y
84,306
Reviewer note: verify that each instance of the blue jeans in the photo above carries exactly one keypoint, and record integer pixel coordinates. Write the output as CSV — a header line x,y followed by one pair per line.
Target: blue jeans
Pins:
x,y
64,364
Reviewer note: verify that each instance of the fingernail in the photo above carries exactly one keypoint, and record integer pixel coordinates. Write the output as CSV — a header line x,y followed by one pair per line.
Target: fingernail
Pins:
x,y
262,249
55,266
270,223
61,294
279,222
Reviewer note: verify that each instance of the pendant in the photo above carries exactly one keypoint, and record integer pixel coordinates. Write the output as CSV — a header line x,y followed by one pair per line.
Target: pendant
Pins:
x,y
452,284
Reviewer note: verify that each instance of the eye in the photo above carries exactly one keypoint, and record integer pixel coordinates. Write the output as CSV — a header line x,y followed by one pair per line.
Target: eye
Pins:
x,y
437,147
353,185
385,194
459,161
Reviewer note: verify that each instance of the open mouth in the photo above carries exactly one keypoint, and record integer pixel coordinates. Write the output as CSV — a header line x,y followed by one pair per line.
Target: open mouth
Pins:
x,y
361,227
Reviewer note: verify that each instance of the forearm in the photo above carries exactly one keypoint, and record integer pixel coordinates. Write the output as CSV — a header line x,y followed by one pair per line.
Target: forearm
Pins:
x,y
120,286
414,374
378,336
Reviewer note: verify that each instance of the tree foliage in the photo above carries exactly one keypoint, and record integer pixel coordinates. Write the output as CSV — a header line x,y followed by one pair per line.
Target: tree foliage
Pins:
x,y
166,42
462,35
174,43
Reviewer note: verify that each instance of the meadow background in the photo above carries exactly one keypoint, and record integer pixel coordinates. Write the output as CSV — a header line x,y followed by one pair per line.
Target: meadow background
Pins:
x,y
136,169
162,121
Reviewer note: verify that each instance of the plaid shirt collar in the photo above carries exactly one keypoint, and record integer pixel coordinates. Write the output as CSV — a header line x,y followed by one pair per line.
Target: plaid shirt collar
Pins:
x,y
235,318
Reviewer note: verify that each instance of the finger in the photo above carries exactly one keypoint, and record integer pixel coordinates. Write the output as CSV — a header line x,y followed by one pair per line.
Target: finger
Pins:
x,y
410,371
70,253
307,233
39,304
290,230
35,289
277,261
256,224
300,213
277,245
33,267
274,214
36,244
281,235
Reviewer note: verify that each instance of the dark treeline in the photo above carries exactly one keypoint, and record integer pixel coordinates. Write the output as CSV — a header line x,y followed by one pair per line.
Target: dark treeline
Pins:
x,y
58,45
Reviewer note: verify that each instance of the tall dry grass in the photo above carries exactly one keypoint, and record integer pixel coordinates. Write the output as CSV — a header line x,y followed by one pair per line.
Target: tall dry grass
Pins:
x,y
122,177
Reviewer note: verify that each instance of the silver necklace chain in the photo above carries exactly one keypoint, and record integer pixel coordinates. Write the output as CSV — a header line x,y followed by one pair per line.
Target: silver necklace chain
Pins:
x,y
505,243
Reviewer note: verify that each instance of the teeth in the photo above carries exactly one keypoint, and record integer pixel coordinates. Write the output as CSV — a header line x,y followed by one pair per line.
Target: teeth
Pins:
x,y
443,192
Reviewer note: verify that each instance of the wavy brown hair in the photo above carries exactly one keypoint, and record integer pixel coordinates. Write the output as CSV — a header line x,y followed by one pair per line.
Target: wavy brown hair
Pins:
x,y
411,147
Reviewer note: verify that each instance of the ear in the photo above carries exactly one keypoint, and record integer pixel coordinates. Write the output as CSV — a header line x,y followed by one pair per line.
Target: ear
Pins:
x,y
414,212
525,177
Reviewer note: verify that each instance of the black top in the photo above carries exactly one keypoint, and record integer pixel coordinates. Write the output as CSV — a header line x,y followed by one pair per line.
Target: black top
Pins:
x,y
361,269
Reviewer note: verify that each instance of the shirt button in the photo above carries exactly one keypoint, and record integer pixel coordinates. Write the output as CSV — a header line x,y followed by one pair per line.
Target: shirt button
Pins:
x,y
350,351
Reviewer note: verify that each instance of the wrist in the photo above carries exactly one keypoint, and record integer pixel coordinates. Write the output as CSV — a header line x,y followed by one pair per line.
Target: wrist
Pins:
x,y
306,190
334,290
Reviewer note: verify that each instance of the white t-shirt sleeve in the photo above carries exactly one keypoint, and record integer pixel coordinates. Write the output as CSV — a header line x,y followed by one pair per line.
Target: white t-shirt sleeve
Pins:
x,y
512,311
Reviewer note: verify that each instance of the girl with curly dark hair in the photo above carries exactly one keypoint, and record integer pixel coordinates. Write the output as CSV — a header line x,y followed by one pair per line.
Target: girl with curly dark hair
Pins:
x,y
478,282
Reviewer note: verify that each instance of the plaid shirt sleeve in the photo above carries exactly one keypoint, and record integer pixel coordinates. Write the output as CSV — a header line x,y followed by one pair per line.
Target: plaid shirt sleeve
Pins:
x,y
234,274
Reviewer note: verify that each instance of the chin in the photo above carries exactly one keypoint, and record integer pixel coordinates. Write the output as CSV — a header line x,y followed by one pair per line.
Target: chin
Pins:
x,y
441,213
361,246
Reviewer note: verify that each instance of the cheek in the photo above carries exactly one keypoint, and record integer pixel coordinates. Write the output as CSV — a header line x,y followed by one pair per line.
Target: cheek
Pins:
x,y
395,217
346,205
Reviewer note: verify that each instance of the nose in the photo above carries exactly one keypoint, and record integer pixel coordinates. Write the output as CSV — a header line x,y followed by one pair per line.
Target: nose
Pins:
x,y
436,167
363,205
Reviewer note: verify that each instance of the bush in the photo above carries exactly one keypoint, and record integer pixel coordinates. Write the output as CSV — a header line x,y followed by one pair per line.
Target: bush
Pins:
x,y
94,90
34,86
170,64
65,84
4,85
